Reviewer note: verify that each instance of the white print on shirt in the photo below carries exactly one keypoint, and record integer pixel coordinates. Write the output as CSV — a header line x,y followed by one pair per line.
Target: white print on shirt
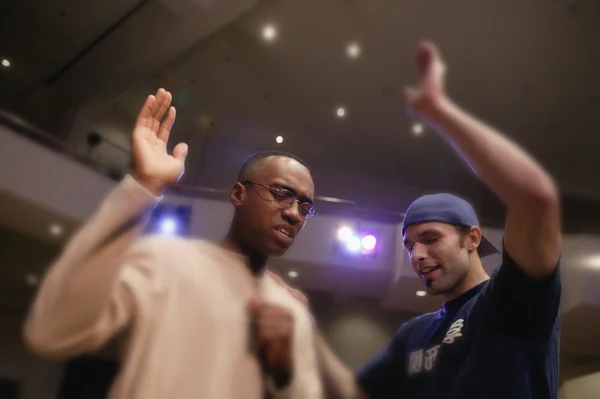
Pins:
x,y
421,358
430,356
416,362
454,331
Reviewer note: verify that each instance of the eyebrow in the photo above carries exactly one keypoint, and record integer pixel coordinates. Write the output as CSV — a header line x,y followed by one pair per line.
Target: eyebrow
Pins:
x,y
304,199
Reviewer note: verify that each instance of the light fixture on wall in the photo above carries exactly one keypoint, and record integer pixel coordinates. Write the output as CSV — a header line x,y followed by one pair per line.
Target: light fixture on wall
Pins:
x,y
170,220
592,261
355,241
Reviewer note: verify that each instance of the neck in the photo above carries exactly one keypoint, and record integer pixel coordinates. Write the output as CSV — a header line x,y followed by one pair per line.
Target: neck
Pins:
x,y
255,261
473,278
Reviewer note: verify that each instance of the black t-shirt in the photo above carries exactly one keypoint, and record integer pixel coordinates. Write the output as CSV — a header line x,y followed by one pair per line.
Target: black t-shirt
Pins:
x,y
499,340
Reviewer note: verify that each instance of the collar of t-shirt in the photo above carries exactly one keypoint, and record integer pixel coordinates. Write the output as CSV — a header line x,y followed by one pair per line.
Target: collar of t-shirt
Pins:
x,y
456,303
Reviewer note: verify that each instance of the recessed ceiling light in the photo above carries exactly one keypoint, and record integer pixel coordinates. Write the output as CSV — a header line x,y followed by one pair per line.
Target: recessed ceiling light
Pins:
x,y
293,274
417,129
340,112
31,279
420,293
279,139
353,50
269,32
5,63
56,229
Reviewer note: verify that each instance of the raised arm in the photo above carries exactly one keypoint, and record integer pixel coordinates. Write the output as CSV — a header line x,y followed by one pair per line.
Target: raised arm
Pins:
x,y
88,294
532,236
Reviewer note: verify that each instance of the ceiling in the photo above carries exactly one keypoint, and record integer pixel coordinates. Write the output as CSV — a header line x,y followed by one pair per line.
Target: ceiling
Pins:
x,y
526,67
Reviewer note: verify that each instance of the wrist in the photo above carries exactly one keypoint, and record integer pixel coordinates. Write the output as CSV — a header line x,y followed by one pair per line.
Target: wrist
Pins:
x,y
437,109
154,186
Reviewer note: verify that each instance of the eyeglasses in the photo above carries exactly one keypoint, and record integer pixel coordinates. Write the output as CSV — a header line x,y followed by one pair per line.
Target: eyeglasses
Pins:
x,y
287,198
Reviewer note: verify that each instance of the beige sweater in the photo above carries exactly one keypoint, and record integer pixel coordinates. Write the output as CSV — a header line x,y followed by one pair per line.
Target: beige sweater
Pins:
x,y
180,303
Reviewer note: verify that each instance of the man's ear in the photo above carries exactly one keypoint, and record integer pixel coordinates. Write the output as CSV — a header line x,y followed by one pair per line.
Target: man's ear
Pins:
x,y
237,196
474,238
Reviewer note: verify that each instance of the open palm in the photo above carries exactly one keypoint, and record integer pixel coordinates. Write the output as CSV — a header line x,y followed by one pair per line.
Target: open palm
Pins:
x,y
152,165
430,89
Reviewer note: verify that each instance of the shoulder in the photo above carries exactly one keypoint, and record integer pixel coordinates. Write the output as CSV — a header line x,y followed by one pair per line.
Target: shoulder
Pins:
x,y
156,255
414,326
421,321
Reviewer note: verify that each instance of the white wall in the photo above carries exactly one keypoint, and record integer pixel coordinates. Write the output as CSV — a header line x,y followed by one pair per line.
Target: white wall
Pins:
x,y
67,188
586,387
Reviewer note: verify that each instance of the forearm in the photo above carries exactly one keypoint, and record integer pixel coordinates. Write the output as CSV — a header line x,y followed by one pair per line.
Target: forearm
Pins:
x,y
339,381
509,171
78,288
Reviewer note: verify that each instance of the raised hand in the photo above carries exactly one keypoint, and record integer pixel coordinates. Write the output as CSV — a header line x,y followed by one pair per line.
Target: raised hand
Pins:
x,y
421,100
153,167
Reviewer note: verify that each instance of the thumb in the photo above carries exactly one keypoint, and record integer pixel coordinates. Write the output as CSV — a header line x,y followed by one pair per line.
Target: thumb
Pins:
x,y
410,94
180,151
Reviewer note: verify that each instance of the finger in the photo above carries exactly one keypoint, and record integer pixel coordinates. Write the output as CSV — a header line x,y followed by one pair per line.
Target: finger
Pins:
x,y
275,327
410,93
164,101
167,124
424,59
272,333
180,151
273,310
146,112
254,305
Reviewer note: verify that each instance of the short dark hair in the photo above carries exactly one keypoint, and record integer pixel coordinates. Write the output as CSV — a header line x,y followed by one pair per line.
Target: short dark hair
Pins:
x,y
262,155
462,230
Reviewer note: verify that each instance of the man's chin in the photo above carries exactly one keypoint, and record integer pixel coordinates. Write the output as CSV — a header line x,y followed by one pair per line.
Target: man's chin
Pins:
x,y
278,250
432,287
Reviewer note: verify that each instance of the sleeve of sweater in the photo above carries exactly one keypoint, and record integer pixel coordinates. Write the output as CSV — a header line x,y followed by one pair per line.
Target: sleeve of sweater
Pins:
x,y
84,300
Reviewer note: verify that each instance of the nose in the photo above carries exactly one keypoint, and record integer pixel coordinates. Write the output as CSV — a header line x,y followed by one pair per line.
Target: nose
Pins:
x,y
419,252
291,214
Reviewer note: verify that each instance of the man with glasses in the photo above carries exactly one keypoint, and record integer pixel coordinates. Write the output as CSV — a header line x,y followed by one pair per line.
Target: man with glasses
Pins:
x,y
199,320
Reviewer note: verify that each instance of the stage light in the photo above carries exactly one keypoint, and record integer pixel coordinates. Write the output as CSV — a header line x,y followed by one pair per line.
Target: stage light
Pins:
x,y
353,244
369,242
420,293
344,233
168,226
169,220
293,273
279,139
341,112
